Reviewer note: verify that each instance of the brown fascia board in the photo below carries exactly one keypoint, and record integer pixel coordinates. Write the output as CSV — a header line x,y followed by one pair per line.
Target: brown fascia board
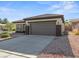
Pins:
x,y
43,21
18,21
60,16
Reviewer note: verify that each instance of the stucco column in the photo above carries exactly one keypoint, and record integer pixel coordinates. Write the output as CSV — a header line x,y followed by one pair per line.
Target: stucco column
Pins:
x,y
27,28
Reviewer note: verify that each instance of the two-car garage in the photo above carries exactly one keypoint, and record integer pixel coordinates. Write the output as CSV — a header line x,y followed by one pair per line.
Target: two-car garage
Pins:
x,y
43,28
47,24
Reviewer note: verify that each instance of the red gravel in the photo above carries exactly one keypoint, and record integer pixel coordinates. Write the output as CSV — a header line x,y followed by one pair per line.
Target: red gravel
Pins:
x,y
51,55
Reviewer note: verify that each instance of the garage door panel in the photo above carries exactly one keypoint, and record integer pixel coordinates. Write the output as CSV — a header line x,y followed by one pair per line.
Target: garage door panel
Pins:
x,y
43,28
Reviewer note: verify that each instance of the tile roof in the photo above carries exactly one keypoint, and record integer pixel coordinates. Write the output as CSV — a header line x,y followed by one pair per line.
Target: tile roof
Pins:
x,y
43,16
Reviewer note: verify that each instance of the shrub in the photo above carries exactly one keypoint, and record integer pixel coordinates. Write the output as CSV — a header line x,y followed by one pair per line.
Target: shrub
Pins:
x,y
5,35
77,33
13,29
10,27
5,30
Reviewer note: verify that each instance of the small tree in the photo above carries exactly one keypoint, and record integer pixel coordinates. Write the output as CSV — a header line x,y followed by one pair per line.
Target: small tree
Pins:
x,y
5,21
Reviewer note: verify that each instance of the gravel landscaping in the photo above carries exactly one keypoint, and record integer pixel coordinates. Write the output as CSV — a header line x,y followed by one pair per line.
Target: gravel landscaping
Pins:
x,y
64,47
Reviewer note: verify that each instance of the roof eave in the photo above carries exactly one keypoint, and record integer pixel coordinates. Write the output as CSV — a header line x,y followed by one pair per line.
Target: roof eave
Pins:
x,y
61,16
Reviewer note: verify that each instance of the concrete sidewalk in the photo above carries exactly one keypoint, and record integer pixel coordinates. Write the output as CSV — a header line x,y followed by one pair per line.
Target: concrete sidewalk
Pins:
x,y
10,54
4,54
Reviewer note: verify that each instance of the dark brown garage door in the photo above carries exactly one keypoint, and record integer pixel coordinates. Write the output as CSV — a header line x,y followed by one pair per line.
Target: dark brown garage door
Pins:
x,y
43,28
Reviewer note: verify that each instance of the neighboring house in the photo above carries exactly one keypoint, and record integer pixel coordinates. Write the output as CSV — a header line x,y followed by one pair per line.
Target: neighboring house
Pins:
x,y
46,24
75,23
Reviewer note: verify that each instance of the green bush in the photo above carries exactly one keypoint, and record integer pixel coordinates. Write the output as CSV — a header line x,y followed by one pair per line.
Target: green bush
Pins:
x,y
5,30
5,35
13,29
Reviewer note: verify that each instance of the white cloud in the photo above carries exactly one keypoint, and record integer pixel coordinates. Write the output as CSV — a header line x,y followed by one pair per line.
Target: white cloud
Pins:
x,y
63,7
11,11
5,10
53,7
13,14
68,5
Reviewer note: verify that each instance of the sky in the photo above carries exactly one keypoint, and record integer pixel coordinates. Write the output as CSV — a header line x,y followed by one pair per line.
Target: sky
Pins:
x,y
17,10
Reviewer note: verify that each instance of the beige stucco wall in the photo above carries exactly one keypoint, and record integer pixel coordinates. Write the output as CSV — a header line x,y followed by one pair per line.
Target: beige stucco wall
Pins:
x,y
58,22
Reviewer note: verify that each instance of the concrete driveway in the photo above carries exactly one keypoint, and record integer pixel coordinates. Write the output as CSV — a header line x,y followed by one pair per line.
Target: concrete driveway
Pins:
x,y
27,45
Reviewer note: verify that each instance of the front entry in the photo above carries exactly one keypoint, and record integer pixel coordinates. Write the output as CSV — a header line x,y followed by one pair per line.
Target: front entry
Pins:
x,y
58,30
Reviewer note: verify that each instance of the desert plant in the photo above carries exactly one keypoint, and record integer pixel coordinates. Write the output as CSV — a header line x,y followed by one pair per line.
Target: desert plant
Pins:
x,y
68,25
77,33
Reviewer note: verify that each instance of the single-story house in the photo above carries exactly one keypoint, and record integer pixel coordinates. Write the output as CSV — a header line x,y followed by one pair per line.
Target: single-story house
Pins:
x,y
75,23
45,24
